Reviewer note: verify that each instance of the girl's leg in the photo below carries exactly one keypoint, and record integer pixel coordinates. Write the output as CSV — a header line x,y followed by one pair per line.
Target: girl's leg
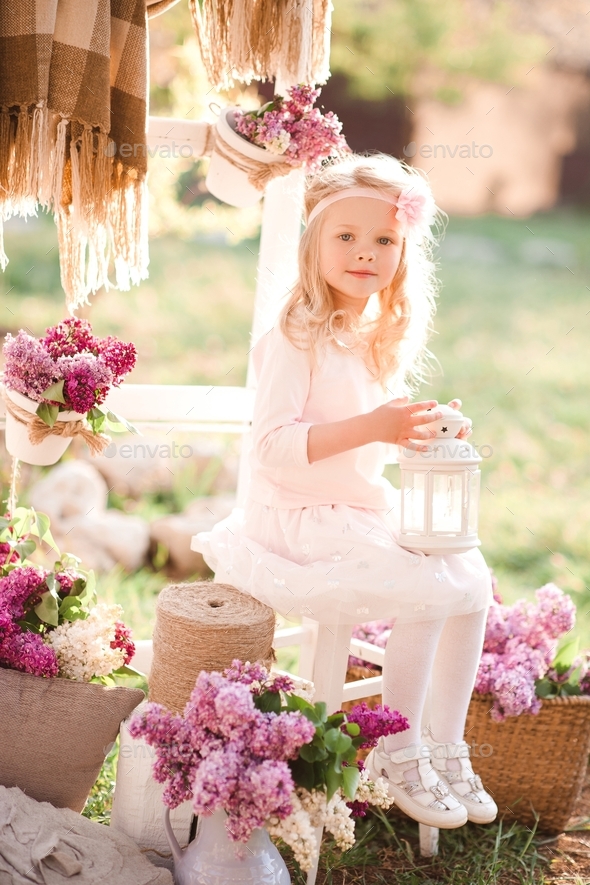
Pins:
x,y
407,668
400,759
453,675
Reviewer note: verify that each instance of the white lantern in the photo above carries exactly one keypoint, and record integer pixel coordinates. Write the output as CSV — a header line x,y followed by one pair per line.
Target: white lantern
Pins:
x,y
440,490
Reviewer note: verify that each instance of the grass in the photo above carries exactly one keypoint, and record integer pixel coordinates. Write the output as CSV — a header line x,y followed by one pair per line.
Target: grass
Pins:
x,y
512,332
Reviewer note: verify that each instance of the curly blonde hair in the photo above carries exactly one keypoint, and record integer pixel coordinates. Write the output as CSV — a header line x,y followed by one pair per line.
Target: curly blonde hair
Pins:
x,y
397,331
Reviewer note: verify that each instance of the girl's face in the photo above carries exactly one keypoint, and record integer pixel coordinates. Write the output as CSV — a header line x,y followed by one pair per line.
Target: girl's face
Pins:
x,y
360,248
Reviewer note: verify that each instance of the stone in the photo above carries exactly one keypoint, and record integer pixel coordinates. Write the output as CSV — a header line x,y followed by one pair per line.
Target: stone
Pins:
x,y
71,489
175,532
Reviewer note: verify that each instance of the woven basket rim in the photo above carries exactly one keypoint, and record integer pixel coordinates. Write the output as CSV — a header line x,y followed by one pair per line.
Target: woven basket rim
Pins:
x,y
562,699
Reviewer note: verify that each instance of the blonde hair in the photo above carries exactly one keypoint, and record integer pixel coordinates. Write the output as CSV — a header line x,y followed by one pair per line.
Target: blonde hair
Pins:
x,y
396,335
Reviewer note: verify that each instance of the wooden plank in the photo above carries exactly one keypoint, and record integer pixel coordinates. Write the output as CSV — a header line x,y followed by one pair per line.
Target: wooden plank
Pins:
x,y
178,404
362,688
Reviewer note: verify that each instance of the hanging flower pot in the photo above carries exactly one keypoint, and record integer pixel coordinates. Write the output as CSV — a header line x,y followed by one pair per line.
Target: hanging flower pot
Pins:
x,y
253,147
239,170
28,438
55,388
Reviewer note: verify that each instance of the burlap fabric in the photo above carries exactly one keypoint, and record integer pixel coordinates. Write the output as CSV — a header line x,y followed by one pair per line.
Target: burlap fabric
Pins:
x,y
73,121
55,734
40,843
204,626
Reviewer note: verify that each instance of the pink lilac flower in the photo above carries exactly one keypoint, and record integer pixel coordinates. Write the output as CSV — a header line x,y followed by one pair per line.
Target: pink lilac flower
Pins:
x,y
118,356
225,753
21,589
519,647
28,368
295,129
28,653
123,641
65,580
7,554
376,723
86,381
70,337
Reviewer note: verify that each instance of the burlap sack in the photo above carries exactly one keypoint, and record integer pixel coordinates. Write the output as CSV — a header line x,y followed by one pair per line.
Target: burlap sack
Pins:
x,y
55,734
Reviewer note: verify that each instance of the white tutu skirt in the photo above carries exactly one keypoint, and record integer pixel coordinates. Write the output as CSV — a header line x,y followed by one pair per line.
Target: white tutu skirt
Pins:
x,y
340,564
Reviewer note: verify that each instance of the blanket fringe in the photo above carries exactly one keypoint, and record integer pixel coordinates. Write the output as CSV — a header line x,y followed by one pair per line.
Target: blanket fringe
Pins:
x,y
100,207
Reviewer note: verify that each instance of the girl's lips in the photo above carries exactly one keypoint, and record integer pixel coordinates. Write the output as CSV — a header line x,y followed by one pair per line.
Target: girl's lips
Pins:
x,y
361,273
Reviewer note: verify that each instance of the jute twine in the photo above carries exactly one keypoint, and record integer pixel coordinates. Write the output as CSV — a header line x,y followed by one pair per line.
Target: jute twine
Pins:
x,y
38,430
204,626
259,174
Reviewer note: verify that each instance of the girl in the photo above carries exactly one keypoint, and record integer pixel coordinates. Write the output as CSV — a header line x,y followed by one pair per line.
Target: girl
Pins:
x,y
318,532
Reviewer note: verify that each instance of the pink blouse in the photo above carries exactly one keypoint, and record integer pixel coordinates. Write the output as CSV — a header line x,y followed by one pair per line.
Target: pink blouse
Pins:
x,y
292,394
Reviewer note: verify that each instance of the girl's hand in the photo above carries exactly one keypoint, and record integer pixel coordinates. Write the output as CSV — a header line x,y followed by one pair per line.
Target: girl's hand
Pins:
x,y
397,422
467,424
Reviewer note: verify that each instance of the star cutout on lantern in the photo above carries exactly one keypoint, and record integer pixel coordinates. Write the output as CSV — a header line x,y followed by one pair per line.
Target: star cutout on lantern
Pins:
x,y
444,429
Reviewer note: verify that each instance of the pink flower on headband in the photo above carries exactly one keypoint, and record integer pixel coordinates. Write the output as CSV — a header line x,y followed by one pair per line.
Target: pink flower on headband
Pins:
x,y
414,208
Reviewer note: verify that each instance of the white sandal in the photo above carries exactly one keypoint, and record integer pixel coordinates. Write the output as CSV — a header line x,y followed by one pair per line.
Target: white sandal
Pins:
x,y
427,800
463,783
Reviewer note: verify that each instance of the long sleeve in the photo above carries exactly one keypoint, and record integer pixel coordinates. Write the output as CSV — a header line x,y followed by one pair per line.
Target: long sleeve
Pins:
x,y
284,377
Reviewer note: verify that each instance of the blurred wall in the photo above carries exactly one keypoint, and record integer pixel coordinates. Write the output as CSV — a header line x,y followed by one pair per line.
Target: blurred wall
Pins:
x,y
502,149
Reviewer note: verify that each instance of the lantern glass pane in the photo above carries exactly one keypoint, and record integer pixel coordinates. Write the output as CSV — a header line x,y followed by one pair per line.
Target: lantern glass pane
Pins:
x,y
474,481
413,502
447,499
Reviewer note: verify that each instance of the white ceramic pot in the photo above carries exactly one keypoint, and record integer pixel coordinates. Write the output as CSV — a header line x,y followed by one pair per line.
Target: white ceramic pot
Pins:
x,y
49,450
213,858
224,180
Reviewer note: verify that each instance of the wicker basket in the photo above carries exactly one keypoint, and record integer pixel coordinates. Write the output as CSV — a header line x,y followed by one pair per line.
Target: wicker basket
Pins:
x,y
532,764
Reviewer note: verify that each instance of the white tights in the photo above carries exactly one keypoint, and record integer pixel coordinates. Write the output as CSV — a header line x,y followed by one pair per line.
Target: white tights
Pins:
x,y
444,653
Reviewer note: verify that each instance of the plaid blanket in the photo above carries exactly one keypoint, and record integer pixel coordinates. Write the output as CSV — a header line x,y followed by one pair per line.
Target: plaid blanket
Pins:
x,y
73,122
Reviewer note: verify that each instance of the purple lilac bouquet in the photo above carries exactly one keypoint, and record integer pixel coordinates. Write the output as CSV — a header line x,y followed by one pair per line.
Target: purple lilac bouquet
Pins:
x,y
519,665
68,369
50,622
249,744
293,128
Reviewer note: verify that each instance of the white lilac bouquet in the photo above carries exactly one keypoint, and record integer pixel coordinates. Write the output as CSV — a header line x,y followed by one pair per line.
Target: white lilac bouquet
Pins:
x,y
50,622
68,369
293,128
249,744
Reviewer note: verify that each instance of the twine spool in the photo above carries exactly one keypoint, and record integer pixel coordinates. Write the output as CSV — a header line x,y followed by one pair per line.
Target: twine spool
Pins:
x,y
204,626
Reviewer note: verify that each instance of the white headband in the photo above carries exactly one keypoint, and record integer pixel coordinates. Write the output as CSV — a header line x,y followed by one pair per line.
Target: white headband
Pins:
x,y
415,205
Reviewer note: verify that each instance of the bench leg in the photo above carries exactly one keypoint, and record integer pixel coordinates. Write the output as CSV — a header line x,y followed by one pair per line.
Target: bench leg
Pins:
x,y
428,840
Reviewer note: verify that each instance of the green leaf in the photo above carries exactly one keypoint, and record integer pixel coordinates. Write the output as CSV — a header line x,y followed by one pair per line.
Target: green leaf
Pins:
x,y
118,424
336,741
55,392
321,711
333,781
353,728
47,413
350,780
268,702
303,773
566,655
47,609
25,548
311,753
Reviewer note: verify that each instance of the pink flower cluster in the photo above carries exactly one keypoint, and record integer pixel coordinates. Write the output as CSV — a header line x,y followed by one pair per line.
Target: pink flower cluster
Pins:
x,y
123,641
519,647
225,753
20,590
293,128
69,352
377,722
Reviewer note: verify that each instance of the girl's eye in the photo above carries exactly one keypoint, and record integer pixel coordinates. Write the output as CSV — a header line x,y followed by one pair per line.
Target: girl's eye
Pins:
x,y
345,235
387,240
